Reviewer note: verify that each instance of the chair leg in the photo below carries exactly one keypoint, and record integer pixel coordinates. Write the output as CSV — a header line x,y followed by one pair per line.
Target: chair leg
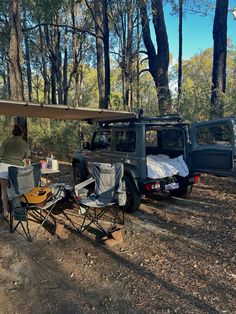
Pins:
x,y
43,222
94,219
118,217
11,221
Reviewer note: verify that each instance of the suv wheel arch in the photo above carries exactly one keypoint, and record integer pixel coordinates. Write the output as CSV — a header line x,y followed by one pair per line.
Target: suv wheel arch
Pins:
x,y
133,195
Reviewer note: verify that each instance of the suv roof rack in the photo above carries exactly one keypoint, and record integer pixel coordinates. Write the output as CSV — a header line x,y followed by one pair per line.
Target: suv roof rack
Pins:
x,y
169,117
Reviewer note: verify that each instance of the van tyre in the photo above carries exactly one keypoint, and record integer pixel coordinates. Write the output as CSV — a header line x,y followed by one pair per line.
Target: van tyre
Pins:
x,y
133,196
183,192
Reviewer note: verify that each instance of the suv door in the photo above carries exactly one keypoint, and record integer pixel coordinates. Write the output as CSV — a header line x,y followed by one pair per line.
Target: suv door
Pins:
x,y
213,147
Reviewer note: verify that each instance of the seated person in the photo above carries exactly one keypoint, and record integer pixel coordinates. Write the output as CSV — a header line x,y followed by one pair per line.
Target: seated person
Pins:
x,y
12,153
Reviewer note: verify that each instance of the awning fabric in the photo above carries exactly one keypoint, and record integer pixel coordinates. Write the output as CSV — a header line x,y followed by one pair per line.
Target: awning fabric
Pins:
x,y
36,110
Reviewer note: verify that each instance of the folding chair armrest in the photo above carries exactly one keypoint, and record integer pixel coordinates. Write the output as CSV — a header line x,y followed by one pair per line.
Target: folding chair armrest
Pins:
x,y
83,184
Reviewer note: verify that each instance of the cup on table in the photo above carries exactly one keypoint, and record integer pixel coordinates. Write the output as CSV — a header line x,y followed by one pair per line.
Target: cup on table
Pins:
x,y
55,164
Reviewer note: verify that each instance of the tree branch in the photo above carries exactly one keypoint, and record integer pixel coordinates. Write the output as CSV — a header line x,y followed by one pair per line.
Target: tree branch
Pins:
x,y
144,70
79,30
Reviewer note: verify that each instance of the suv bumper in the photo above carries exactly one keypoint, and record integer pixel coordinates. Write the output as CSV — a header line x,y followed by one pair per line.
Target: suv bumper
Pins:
x,y
148,186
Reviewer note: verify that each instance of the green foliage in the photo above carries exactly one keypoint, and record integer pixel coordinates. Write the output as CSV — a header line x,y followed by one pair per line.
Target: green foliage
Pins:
x,y
61,140
45,9
196,88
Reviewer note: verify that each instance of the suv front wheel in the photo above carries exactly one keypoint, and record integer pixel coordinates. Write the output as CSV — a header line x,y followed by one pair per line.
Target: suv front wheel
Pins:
x,y
133,196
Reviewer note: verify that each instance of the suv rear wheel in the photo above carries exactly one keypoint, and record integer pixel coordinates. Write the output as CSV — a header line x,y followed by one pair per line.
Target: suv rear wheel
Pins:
x,y
133,196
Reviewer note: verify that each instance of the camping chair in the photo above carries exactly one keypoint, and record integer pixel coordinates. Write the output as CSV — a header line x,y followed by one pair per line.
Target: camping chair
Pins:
x,y
27,197
108,199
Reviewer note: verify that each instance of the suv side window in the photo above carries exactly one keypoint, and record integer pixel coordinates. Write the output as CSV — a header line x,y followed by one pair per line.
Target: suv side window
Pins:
x,y
172,139
214,135
125,141
102,140
151,138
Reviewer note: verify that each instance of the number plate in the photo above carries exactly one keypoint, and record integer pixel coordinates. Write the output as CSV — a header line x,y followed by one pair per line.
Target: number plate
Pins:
x,y
172,186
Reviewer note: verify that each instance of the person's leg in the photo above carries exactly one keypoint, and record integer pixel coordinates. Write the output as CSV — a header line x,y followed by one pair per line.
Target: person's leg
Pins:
x,y
4,186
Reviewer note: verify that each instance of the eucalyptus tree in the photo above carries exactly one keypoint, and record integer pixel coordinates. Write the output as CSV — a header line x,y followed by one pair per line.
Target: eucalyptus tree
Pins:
x,y
4,44
61,41
99,12
158,60
219,58
124,20
16,58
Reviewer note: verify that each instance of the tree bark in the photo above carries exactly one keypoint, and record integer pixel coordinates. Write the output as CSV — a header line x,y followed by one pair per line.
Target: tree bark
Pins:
x,y
158,62
58,61
15,59
106,55
138,61
219,59
65,71
27,58
46,88
53,85
180,51
99,47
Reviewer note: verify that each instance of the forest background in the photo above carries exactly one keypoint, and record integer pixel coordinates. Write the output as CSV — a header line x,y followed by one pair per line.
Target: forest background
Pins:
x,y
111,54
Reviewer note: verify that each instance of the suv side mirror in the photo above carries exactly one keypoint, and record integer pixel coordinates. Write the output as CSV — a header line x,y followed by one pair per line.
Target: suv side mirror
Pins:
x,y
86,145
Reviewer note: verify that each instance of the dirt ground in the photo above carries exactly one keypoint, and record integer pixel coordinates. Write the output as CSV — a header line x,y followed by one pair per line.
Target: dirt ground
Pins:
x,y
178,256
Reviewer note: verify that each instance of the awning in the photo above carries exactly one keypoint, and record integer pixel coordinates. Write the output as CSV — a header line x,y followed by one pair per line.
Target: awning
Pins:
x,y
36,110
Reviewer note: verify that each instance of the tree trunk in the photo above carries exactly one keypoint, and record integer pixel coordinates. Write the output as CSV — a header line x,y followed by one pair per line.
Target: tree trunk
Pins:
x,y
158,62
180,51
46,88
65,71
8,80
53,85
138,61
219,59
130,54
99,47
52,38
15,59
58,69
106,55
27,57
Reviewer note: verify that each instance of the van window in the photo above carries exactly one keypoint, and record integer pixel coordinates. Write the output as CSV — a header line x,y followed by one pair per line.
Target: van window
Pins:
x,y
214,135
125,141
102,140
172,138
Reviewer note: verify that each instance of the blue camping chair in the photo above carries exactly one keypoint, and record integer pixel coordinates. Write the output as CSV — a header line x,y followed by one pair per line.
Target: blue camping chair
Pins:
x,y
24,186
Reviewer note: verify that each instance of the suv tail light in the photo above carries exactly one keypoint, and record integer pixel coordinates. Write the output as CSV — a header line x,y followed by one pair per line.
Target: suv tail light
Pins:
x,y
194,179
197,178
152,186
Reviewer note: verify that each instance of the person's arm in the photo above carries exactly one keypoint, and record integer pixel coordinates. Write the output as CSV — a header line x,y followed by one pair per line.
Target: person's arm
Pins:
x,y
27,152
26,158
